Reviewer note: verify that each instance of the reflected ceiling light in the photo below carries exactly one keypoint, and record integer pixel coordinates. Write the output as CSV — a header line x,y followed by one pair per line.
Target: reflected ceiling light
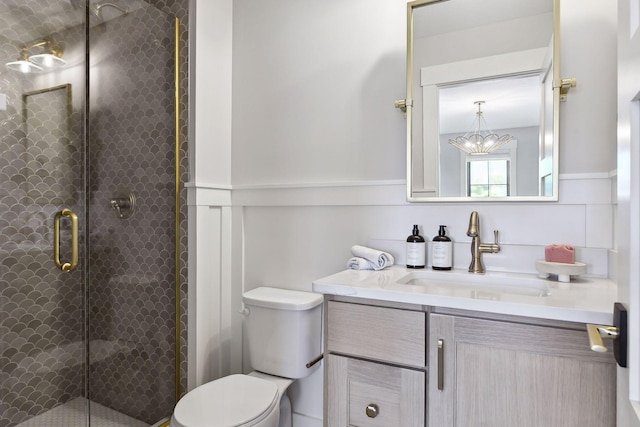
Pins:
x,y
480,140
50,59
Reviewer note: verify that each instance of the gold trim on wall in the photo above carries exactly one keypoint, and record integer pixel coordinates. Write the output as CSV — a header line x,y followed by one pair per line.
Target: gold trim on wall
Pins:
x,y
177,212
62,120
63,87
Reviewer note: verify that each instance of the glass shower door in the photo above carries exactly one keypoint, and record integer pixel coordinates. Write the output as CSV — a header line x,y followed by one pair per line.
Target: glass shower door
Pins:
x,y
42,211
88,213
132,210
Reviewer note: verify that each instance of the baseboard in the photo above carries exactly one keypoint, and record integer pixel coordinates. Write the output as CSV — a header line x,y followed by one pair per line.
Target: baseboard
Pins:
x,y
299,420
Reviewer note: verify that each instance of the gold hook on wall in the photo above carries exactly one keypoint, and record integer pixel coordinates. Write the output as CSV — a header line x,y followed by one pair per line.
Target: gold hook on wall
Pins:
x,y
564,86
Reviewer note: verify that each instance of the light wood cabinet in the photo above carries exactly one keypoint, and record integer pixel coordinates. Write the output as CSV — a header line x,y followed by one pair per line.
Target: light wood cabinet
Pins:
x,y
378,333
374,366
499,374
373,394
415,366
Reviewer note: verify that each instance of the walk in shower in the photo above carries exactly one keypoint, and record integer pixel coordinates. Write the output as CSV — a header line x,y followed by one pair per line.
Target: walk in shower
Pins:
x,y
91,255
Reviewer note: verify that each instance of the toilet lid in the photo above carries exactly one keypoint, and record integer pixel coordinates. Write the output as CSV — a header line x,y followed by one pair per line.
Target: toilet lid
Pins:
x,y
230,401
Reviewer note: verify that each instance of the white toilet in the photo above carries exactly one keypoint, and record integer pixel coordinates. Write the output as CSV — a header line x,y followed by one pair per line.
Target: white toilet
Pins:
x,y
283,329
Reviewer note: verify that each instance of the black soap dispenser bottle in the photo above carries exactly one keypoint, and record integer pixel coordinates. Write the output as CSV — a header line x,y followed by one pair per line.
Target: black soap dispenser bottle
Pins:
x,y
441,251
416,249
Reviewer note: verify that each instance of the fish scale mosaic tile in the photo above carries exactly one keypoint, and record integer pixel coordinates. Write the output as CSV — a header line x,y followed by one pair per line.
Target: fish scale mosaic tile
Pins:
x,y
127,310
132,276
42,309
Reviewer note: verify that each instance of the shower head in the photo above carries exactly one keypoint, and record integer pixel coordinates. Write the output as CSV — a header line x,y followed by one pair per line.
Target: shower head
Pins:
x,y
96,9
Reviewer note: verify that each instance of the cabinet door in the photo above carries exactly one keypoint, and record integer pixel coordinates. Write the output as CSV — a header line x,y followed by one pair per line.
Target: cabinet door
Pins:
x,y
499,374
398,394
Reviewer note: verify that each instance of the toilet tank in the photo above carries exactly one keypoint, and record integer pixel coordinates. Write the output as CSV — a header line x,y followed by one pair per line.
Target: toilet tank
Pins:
x,y
284,330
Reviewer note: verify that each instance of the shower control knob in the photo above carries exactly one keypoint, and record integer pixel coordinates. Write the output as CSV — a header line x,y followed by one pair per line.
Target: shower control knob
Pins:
x,y
123,203
372,410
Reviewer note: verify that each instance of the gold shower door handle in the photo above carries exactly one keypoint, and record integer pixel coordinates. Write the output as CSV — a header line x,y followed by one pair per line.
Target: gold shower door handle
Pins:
x,y
66,267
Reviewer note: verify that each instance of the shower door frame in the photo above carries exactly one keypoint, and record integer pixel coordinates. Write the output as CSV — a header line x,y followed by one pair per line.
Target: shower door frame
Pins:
x,y
163,422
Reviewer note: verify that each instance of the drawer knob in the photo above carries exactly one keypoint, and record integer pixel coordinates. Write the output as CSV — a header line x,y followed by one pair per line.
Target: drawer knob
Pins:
x,y
372,410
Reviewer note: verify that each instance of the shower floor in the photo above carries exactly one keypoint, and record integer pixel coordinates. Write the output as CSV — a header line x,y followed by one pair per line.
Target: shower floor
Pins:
x,y
73,413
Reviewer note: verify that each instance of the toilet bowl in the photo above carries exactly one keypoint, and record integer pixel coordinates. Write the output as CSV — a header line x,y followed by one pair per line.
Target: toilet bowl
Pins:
x,y
233,401
283,330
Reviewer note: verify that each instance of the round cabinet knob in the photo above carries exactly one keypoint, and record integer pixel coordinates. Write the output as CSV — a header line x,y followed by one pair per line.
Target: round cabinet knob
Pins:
x,y
372,410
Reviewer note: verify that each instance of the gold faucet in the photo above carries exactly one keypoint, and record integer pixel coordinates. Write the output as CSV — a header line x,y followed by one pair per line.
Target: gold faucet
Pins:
x,y
478,248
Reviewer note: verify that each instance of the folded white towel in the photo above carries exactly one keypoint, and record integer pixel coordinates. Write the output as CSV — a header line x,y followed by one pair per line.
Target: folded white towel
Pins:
x,y
357,263
379,259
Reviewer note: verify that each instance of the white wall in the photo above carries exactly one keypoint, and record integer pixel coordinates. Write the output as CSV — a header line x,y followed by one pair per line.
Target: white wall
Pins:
x,y
317,155
588,125
313,89
210,93
212,322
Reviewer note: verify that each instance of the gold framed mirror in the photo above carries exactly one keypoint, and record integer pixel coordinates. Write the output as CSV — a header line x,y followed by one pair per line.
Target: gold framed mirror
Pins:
x,y
482,105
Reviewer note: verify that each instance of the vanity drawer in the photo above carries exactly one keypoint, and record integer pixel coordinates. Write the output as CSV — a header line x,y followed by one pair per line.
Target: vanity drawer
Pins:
x,y
389,334
372,394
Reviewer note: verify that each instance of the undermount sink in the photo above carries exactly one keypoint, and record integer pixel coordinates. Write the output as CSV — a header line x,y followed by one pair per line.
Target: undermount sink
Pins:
x,y
481,286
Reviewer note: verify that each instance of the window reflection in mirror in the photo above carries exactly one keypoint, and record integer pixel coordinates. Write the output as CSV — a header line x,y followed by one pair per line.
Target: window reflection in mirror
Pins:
x,y
488,178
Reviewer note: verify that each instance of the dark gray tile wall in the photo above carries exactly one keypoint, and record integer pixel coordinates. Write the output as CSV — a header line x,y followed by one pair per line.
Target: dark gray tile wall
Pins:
x,y
132,270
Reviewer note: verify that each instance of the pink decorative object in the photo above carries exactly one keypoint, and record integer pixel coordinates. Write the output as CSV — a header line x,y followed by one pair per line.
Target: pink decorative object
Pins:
x,y
560,253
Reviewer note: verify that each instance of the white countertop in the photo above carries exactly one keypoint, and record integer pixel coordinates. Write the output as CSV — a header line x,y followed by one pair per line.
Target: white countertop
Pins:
x,y
585,300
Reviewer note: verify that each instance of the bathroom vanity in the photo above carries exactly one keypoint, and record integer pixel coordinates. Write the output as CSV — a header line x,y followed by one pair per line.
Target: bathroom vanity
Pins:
x,y
407,348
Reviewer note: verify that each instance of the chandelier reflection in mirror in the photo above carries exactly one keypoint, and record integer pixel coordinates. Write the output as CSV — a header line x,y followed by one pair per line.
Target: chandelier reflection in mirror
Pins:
x,y
481,140
50,58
